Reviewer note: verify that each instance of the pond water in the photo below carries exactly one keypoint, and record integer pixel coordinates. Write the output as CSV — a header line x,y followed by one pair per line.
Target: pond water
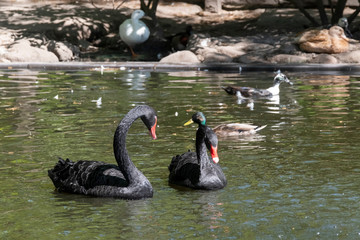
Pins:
x,y
299,178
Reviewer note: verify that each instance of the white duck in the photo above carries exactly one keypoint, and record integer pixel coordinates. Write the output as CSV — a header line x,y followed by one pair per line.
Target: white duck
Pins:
x,y
134,31
249,92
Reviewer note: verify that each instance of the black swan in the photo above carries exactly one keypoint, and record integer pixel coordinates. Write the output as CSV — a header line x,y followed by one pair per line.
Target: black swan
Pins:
x,y
108,180
197,170
249,92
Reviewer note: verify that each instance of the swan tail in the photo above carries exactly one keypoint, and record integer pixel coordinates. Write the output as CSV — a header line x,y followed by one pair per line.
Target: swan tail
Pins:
x,y
60,172
178,160
183,167
174,162
260,128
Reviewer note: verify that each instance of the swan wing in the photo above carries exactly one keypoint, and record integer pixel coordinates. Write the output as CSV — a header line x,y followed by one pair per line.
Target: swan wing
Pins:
x,y
184,169
81,176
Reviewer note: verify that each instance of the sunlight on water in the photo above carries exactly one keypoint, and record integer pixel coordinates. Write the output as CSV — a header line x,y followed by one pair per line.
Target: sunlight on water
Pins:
x,y
298,178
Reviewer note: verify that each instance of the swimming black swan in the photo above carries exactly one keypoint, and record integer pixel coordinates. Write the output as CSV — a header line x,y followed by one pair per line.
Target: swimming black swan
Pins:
x,y
109,180
196,170
249,92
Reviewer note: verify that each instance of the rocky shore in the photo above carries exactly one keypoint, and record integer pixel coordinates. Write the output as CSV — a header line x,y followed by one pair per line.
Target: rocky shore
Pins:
x,y
64,32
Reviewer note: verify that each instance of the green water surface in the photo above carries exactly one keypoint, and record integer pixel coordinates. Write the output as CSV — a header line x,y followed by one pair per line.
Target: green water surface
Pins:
x,y
299,178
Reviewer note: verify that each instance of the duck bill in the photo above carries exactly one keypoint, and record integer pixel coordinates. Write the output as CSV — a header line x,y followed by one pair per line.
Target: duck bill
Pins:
x,y
214,154
188,122
288,81
153,130
343,36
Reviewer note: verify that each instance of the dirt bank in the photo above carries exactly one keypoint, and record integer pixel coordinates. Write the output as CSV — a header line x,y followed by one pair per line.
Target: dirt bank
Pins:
x,y
68,32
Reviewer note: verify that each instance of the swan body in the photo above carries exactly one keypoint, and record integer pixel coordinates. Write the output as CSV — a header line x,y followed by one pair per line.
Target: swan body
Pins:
x,y
237,129
134,31
101,179
195,169
249,92
331,40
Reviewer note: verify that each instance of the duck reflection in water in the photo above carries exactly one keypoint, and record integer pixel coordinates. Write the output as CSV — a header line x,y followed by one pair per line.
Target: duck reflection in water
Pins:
x,y
211,210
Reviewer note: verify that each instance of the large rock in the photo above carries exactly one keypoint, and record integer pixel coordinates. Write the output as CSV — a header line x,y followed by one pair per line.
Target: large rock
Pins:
x,y
63,50
74,29
276,3
324,59
287,58
185,56
210,57
349,57
213,5
22,51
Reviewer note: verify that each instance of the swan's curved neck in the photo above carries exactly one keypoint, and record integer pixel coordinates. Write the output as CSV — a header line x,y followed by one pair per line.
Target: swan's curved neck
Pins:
x,y
201,150
127,167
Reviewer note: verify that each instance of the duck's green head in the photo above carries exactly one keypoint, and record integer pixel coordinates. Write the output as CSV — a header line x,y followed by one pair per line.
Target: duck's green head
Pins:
x,y
343,22
198,118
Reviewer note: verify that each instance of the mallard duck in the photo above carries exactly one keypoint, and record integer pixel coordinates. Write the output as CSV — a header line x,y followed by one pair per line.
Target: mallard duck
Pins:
x,y
134,31
196,169
236,129
249,92
343,22
331,40
179,41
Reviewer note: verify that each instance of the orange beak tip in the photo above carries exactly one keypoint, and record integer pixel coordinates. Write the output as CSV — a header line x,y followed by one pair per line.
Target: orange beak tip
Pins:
x,y
153,130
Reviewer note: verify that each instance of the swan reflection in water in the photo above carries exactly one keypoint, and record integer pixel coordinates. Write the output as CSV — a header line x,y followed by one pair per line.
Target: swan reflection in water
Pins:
x,y
211,210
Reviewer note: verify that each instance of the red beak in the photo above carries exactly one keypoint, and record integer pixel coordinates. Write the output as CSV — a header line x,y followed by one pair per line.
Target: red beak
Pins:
x,y
153,129
214,154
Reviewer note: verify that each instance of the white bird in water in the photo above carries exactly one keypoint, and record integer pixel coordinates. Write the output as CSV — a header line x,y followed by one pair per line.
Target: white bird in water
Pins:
x,y
98,101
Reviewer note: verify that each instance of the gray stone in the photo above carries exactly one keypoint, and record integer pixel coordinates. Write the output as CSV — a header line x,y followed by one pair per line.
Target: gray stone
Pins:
x,y
73,29
324,59
185,56
277,3
217,57
251,58
287,58
213,5
349,57
22,51
6,37
233,51
63,50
